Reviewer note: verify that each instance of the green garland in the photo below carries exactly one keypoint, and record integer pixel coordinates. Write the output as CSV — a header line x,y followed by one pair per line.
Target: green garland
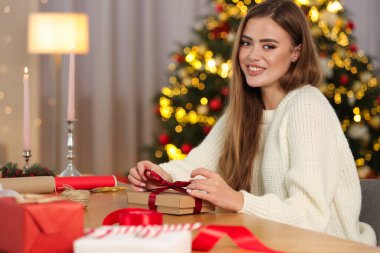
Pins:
x,y
11,170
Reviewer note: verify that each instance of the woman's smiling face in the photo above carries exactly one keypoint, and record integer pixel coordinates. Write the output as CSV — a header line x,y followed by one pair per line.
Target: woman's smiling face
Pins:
x,y
266,52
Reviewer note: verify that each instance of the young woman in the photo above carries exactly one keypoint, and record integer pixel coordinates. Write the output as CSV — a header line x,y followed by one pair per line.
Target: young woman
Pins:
x,y
278,152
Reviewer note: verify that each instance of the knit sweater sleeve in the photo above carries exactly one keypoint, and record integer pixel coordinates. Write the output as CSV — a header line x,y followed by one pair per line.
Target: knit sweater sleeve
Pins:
x,y
206,155
310,129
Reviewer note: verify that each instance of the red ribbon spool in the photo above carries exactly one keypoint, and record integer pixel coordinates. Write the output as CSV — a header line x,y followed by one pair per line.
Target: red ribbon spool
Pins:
x,y
133,217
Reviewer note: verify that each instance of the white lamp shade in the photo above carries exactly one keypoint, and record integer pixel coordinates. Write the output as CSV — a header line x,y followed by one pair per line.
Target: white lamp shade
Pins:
x,y
58,33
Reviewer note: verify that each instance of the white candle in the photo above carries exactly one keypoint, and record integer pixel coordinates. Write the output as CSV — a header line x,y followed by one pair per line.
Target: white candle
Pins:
x,y
26,131
71,91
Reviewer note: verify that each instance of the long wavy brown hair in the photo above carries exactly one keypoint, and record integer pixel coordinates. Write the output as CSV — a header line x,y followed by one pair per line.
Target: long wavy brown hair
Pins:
x,y
245,106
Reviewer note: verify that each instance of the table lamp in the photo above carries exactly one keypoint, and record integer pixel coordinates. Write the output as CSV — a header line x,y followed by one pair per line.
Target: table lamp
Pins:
x,y
57,34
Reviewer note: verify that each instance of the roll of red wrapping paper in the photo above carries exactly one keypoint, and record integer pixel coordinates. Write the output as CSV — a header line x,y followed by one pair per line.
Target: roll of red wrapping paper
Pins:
x,y
85,182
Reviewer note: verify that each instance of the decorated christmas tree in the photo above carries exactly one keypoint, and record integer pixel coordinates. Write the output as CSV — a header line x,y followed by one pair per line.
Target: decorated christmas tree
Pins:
x,y
199,75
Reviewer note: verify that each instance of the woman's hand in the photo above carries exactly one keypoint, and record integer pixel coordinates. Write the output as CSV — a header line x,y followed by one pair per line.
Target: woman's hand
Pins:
x,y
138,179
214,189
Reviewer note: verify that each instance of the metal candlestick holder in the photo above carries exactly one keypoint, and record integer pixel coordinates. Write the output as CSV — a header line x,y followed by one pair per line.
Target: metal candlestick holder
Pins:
x,y
26,154
70,170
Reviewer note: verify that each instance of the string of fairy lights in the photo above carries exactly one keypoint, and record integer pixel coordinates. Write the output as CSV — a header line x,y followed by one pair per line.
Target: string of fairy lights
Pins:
x,y
338,31
326,23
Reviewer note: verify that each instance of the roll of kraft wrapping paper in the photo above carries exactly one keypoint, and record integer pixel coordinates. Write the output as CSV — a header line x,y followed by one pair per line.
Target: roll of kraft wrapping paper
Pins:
x,y
41,184
85,182
49,184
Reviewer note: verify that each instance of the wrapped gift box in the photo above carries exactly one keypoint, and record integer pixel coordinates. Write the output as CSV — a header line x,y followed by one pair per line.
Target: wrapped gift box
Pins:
x,y
169,202
117,240
39,228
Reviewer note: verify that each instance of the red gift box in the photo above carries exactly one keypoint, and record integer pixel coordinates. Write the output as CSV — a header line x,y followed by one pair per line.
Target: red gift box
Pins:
x,y
39,228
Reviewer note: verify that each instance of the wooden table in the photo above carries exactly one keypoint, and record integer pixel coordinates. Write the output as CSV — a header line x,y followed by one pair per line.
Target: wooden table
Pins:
x,y
275,235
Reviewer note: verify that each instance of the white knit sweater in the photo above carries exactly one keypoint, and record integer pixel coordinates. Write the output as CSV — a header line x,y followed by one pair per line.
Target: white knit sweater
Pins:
x,y
304,174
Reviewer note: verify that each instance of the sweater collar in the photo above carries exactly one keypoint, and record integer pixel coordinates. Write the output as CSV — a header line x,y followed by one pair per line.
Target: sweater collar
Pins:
x,y
268,115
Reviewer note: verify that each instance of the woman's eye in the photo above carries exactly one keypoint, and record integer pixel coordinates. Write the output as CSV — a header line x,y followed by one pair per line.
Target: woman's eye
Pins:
x,y
269,47
245,43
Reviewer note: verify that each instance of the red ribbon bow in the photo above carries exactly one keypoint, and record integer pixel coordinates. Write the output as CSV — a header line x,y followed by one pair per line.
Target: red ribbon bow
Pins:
x,y
177,186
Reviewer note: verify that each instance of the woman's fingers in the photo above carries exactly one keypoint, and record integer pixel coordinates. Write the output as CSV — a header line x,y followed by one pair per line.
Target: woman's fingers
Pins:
x,y
213,188
135,174
209,181
200,194
200,184
133,177
139,180
142,167
202,172
137,189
